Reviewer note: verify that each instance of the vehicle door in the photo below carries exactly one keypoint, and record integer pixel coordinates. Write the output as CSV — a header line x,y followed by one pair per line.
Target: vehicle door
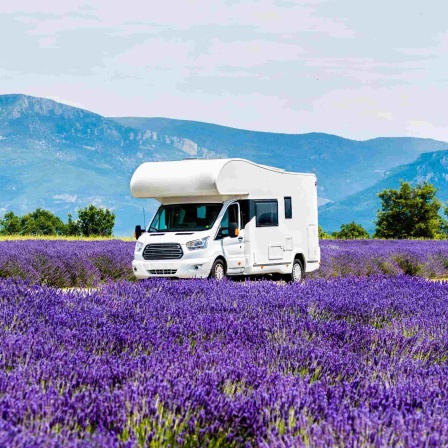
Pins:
x,y
232,245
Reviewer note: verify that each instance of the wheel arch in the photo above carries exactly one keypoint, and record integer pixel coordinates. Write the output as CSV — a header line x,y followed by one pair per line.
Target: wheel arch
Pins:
x,y
301,257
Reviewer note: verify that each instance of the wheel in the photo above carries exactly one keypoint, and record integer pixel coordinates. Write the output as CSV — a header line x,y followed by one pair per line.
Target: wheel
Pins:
x,y
297,273
218,271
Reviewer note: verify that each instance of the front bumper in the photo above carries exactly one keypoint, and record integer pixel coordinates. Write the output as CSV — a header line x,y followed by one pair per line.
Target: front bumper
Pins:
x,y
193,268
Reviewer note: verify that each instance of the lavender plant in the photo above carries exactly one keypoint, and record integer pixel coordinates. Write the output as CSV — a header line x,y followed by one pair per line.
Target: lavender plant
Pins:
x,y
423,258
66,263
89,263
345,362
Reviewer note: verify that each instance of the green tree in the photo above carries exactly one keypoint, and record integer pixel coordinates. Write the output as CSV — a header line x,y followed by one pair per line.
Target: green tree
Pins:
x,y
351,231
41,222
10,224
410,212
72,228
444,225
93,221
322,234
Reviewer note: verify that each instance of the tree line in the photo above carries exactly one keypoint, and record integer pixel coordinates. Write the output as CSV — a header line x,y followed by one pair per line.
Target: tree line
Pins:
x,y
91,221
407,212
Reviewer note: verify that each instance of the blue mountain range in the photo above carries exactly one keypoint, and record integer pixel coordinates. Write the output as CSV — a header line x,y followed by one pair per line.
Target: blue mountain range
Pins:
x,y
61,158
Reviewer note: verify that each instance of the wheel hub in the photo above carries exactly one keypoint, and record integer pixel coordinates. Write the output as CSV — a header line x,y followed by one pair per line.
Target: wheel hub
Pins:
x,y
297,272
219,272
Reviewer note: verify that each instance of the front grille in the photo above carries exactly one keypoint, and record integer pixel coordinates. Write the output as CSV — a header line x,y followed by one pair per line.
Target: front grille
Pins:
x,y
162,251
162,271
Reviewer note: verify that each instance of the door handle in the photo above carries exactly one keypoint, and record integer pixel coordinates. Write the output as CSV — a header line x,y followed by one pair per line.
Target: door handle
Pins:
x,y
240,238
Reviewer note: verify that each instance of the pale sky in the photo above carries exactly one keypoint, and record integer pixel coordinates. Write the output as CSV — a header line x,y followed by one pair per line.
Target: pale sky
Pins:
x,y
354,68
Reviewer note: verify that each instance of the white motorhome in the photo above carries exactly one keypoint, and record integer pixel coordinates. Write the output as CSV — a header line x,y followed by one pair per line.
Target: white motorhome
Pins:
x,y
226,217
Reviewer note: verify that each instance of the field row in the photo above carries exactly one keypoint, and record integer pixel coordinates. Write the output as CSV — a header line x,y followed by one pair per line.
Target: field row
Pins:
x,y
89,263
345,362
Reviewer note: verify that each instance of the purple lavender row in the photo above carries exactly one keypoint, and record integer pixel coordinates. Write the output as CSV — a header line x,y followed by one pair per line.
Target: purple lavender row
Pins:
x,y
89,263
67,263
346,362
340,258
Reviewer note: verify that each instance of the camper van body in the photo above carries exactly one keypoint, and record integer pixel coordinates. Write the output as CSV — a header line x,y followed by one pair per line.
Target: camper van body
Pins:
x,y
266,219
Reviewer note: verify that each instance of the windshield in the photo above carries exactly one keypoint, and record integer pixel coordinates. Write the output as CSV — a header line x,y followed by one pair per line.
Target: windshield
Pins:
x,y
172,218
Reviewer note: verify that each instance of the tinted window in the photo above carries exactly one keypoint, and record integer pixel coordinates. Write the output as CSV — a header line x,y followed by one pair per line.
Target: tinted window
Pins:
x,y
288,208
266,213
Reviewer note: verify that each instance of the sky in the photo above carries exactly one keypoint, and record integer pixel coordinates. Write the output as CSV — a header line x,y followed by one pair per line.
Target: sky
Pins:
x,y
358,69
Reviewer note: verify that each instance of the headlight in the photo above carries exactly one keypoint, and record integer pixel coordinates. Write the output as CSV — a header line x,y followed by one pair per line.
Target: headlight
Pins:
x,y
197,244
138,246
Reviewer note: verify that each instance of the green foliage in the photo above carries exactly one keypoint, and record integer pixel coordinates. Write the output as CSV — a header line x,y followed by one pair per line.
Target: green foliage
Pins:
x,y
95,221
92,221
444,226
72,228
322,234
351,231
10,224
409,264
39,222
410,212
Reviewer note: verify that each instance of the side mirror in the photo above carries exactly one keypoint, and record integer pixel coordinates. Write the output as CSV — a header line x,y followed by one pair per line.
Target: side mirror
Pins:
x,y
233,229
138,232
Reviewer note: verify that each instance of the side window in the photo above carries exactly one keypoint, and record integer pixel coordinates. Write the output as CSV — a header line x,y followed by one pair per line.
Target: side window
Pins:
x,y
288,207
231,215
266,213
244,211
224,230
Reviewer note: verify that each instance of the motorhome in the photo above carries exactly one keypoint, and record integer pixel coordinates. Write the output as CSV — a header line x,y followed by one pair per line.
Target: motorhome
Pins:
x,y
226,217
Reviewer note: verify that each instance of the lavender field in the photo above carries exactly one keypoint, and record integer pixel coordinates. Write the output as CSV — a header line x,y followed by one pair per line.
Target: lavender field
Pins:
x,y
66,263
346,362
356,358
424,258
90,263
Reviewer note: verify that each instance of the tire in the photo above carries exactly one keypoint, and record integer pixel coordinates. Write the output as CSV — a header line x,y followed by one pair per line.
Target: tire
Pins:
x,y
218,271
297,274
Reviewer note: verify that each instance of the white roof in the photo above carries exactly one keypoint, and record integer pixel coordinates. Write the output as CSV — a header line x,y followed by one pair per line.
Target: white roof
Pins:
x,y
199,177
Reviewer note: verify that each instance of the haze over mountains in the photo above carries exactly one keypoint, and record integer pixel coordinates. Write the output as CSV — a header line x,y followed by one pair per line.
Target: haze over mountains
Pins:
x,y
62,158
362,206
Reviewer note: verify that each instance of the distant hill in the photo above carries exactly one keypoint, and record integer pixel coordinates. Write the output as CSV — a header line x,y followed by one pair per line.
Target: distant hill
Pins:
x,y
343,166
61,157
363,206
